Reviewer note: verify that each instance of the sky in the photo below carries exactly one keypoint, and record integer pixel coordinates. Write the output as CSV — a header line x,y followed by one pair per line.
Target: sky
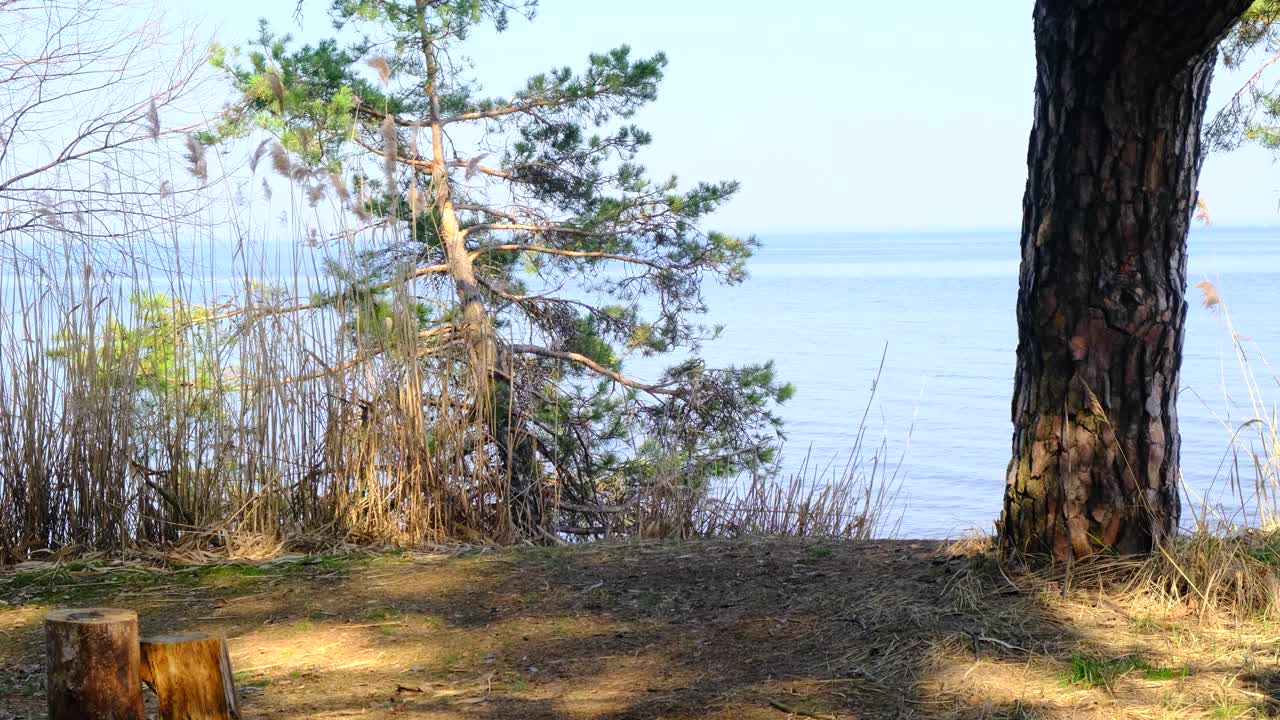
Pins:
x,y
835,115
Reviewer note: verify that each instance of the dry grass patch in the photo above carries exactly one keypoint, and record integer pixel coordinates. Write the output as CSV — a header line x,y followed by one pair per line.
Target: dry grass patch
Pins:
x,y
763,630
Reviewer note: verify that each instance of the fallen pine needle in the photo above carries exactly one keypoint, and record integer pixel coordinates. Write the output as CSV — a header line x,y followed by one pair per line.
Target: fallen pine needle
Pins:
x,y
779,705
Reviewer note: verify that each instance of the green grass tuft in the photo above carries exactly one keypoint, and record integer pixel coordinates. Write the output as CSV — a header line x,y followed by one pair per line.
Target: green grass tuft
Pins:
x,y
1101,672
382,613
1223,710
244,679
818,552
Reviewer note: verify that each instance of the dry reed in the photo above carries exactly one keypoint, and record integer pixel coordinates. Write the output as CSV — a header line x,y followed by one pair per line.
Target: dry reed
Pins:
x,y
156,395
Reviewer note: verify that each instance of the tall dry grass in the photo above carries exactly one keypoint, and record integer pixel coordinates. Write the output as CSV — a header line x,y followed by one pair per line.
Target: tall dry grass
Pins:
x,y
154,393
151,392
859,500
190,351
1250,466
1226,560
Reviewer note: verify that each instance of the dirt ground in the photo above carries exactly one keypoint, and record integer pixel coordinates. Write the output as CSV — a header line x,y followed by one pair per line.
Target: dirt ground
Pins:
x,y
744,630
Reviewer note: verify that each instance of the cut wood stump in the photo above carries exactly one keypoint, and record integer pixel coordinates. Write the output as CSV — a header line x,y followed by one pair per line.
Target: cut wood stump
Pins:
x,y
191,676
92,663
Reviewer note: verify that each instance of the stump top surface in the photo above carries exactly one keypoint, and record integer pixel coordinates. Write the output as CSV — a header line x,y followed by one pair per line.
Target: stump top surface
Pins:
x,y
91,616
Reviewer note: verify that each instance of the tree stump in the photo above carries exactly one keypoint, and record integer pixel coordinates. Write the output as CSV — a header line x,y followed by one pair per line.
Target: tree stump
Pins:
x,y
191,676
92,659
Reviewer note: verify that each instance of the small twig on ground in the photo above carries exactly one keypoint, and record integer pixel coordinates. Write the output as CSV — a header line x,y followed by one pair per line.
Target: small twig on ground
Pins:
x,y
586,590
1001,643
779,705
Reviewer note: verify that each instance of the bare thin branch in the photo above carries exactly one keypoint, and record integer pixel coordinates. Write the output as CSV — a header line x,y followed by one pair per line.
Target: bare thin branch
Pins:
x,y
595,367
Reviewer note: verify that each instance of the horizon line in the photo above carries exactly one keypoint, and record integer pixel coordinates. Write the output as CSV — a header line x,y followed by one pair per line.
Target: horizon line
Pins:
x,y
933,230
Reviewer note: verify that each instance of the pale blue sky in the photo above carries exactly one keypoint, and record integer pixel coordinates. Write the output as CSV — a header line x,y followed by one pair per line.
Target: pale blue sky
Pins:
x,y
834,114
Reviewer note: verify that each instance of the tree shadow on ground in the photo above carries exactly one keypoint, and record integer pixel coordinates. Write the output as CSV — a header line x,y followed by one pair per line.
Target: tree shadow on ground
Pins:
x,y
707,630
747,629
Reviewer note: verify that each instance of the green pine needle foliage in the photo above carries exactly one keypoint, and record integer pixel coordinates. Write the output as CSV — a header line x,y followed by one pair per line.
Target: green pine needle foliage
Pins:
x,y
582,258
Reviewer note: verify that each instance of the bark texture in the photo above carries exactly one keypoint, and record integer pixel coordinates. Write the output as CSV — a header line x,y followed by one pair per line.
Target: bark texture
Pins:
x,y
1113,162
92,661
191,676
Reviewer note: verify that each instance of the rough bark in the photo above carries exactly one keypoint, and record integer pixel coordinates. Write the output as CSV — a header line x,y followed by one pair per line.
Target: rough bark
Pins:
x,y
92,660
191,676
1113,162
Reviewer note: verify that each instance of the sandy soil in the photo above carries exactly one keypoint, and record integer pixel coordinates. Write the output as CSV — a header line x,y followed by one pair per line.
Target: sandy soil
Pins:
x,y
745,630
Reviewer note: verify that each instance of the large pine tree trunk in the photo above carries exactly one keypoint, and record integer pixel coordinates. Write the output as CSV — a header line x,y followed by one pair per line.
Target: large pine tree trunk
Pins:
x,y
1113,163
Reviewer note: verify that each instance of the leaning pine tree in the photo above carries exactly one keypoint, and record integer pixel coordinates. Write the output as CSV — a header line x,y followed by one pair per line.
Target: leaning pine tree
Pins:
x,y
522,251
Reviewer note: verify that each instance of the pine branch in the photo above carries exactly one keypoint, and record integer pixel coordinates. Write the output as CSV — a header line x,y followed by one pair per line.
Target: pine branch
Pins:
x,y
513,109
370,111
530,227
488,211
586,254
482,169
258,312
595,367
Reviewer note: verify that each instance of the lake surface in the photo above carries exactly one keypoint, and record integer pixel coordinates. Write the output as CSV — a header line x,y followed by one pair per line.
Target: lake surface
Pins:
x,y
824,308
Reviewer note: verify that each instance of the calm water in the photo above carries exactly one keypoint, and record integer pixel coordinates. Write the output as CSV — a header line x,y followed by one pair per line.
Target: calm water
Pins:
x,y
823,307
